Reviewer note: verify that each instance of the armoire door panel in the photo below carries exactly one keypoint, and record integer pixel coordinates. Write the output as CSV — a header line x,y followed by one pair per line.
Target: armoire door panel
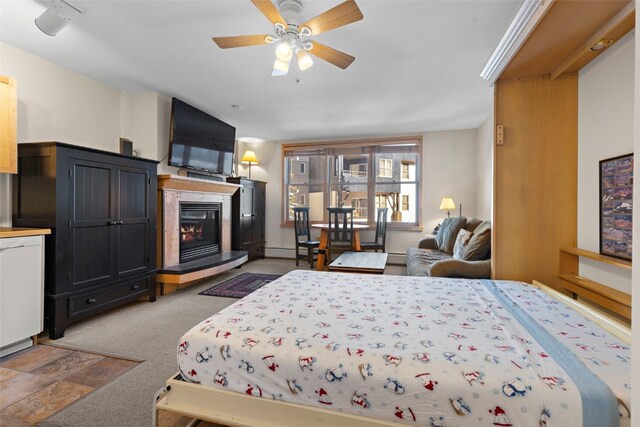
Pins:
x,y
92,261
132,193
91,192
132,254
91,221
246,206
133,249
246,229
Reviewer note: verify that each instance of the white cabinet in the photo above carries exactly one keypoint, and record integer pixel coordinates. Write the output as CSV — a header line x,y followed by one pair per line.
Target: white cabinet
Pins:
x,y
21,291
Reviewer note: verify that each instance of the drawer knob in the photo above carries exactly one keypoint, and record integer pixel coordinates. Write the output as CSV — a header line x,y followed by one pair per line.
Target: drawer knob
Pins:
x,y
91,300
135,287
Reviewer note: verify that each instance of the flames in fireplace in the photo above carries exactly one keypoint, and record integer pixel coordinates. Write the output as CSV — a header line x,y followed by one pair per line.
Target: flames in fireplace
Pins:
x,y
191,233
199,230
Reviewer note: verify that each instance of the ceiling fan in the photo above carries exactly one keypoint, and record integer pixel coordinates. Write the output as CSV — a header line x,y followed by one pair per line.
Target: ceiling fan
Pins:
x,y
292,35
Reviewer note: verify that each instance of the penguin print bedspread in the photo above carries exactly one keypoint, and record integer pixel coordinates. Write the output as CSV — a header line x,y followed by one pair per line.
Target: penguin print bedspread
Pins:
x,y
415,350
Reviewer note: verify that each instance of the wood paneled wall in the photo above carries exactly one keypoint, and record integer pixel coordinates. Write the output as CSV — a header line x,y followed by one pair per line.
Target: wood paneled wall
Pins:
x,y
535,182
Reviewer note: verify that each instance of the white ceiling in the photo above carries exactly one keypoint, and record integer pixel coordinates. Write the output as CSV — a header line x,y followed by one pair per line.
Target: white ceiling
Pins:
x,y
417,62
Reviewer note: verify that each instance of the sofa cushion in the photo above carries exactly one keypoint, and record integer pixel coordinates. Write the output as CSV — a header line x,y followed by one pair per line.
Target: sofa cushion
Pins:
x,y
449,231
472,224
461,242
419,260
479,246
457,268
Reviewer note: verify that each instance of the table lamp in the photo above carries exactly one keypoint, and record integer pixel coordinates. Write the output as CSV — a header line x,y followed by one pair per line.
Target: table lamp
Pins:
x,y
249,157
447,204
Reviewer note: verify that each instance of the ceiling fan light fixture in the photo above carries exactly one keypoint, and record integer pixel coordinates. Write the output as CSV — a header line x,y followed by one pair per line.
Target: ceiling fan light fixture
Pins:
x,y
304,60
305,32
283,51
280,68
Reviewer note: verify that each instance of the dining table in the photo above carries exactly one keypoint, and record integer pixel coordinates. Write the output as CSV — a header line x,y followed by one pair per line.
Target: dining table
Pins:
x,y
324,241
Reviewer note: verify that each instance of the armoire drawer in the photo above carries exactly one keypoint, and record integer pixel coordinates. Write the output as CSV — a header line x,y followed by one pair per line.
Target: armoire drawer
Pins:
x,y
89,301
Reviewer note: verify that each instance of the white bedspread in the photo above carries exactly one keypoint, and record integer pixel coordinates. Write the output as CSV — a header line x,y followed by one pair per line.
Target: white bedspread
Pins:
x,y
424,351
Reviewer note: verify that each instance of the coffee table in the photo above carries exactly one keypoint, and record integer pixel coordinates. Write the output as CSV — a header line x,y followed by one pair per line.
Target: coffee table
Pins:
x,y
360,262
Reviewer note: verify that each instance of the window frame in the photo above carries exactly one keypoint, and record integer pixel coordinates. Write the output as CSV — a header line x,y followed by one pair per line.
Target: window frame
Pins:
x,y
404,203
359,172
370,147
385,168
404,166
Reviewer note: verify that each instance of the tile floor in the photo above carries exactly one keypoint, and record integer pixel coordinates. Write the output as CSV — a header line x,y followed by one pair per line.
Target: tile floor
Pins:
x,y
41,380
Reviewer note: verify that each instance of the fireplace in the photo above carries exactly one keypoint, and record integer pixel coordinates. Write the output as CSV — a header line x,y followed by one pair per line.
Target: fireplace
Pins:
x,y
199,230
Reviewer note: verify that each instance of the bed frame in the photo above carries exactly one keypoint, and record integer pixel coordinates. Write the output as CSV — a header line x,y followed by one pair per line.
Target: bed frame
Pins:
x,y
236,409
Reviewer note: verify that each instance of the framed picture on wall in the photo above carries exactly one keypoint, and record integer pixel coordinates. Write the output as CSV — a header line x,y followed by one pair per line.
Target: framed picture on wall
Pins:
x,y
616,206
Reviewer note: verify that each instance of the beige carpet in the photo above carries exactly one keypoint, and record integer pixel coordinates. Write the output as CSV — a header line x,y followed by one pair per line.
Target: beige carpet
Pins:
x,y
150,332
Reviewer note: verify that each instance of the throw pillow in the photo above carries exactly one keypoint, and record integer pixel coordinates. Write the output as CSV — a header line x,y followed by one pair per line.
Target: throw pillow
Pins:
x,y
479,246
461,243
448,233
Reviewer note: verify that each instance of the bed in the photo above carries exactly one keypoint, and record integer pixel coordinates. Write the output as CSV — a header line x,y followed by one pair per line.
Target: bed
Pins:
x,y
318,348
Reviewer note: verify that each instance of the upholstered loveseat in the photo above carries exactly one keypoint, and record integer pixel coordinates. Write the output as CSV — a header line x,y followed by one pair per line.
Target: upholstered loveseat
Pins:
x,y
470,238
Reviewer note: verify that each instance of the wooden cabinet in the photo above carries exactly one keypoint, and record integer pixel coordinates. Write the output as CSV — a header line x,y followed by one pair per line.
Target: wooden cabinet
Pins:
x,y
248,217
8,123
101,207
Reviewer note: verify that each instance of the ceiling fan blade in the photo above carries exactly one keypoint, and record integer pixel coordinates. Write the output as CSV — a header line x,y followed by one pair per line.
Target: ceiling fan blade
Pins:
x,y
240,41
329,54
269,10
343,14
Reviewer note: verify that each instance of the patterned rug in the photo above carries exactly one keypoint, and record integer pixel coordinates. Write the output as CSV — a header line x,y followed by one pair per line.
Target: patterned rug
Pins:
x,y
240,286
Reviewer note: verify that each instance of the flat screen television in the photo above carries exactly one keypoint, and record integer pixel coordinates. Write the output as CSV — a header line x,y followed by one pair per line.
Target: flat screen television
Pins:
x,y
199,141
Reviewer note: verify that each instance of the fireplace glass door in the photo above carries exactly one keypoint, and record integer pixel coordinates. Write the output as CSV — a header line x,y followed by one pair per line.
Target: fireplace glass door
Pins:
x,y
199,230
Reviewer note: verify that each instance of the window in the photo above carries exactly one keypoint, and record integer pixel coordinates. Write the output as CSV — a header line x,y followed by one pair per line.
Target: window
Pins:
x,y
358,169
336,174
360,206
385,168
405,170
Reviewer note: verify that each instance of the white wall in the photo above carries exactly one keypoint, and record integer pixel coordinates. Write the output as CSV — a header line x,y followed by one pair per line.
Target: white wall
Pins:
x,y
485,169
449,169
56,104
605,130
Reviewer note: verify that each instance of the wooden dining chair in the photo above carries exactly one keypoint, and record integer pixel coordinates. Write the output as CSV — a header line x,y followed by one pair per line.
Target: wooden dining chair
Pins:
x,y
381,233
340,238
303,236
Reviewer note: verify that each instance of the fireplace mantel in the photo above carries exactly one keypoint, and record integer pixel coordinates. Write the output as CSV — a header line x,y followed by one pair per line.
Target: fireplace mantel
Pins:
x,y
178,182
173,190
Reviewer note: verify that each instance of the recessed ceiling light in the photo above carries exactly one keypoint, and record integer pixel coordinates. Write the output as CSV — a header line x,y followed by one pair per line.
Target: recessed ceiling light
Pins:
x,y
238,107
250,139
604,43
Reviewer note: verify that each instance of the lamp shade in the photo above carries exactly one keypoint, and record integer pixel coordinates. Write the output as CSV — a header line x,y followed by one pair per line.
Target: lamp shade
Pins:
x,y
249,157
447,204
304,60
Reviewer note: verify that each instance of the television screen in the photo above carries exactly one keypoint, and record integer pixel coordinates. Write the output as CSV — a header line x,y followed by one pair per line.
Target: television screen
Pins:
x,y
200,141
